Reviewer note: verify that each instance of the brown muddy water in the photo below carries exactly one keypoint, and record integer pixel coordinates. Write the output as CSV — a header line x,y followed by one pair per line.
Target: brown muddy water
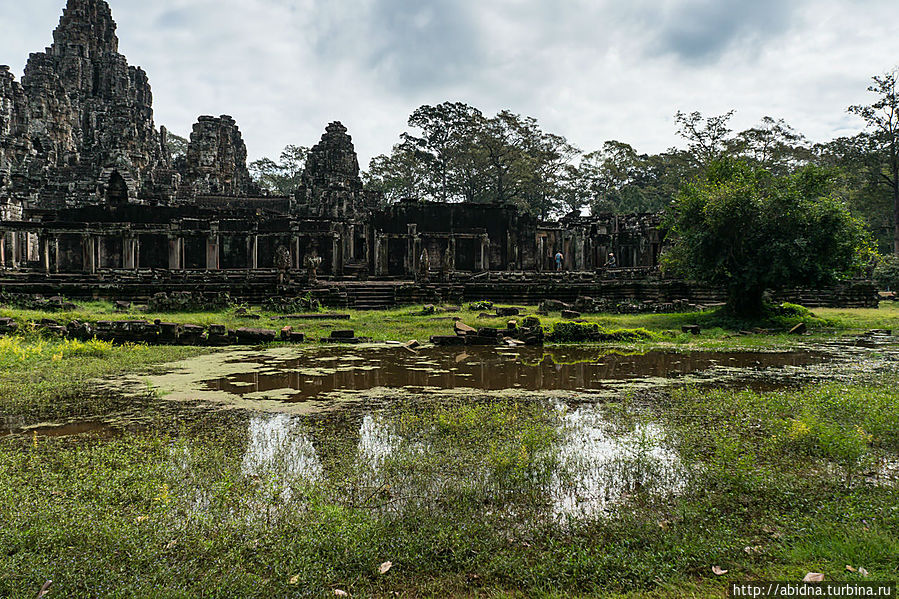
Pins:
x,y
316,375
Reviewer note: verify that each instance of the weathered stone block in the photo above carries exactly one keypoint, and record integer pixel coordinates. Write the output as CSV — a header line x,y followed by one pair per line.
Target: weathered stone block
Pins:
x,y
252,335
448,340
463,329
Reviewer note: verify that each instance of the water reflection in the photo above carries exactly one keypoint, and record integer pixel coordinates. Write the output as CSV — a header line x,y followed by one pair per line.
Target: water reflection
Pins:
x,y
278,445
599,466
602,468
315,374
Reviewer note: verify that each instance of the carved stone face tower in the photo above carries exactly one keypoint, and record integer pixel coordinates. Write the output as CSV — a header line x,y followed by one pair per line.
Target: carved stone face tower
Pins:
x,y
331,184
90,119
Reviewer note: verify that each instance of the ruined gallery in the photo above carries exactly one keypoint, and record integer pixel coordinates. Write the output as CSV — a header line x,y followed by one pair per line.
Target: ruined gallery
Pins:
x,y
92,202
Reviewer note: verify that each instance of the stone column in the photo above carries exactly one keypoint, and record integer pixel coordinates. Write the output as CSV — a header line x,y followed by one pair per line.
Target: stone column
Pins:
x,y
411,260
89,254
212,252
14,250
175,253
485,252
253,252
416,257
55,254
336,255
377,268
129,247
350,241
2,249
45,252
297,258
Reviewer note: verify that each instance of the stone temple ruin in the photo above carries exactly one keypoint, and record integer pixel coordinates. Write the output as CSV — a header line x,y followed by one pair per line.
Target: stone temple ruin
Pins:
x,y
92,203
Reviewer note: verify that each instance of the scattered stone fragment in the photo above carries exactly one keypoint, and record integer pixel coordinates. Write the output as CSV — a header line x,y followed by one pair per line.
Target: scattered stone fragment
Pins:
x,y
463,329
570,314
693,329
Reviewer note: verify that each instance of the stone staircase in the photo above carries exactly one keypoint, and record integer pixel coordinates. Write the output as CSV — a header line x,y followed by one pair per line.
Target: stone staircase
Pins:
x,y
371,296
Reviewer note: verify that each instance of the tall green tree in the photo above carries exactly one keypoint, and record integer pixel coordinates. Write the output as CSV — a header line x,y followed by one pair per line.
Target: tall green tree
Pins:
x,y
397,176
748,230
447,136
282,177
773,145
856,166
706,136
882,121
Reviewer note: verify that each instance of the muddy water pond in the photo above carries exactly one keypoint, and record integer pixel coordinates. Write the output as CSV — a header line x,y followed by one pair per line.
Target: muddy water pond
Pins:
x,y
366,415
317,374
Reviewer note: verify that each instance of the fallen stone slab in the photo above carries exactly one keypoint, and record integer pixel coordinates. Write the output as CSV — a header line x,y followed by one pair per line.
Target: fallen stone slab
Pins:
x,y
508,311
191,334
570,314
530,321
343,334
315,316
693,329
448,340
480,340
252,335
553,306
346,340
463,329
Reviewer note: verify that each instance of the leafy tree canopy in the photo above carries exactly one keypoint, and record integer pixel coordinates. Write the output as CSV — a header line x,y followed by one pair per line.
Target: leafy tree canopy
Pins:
x,y
742,227
282,177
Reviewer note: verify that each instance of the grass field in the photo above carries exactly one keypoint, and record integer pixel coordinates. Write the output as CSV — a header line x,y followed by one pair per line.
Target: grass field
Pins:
x,y
464,497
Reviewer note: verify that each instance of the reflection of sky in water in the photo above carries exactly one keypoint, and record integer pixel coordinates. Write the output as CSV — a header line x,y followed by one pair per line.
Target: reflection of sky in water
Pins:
x,y
277,446
600,469
599,466
375,441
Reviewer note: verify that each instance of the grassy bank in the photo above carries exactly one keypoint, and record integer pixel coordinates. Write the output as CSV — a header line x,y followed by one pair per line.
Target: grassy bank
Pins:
x,y
411,322
53,378
465,499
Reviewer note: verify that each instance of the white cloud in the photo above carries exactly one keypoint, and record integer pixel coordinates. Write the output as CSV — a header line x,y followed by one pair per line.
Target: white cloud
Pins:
x,y
588,70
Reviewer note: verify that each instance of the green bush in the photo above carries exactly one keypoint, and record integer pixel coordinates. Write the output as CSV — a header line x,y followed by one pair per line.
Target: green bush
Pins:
x,y
886,274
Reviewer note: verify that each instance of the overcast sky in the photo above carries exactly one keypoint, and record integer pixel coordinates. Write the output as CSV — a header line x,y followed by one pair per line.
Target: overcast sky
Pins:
x,y
591,70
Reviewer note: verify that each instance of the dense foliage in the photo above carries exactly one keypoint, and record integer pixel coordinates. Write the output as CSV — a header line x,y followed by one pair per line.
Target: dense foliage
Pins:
x,y
749,230
453,152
